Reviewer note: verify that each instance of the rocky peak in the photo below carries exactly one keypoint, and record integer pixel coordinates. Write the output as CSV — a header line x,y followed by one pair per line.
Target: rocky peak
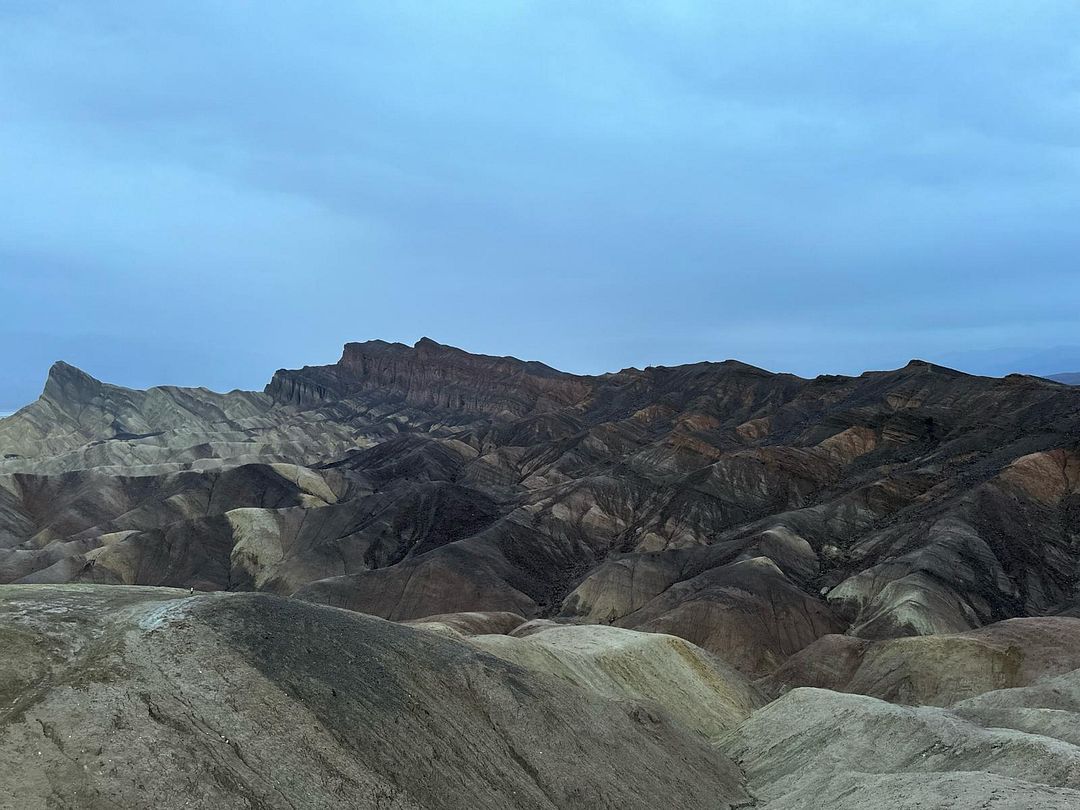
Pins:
x,y
917,365
432,375
67,385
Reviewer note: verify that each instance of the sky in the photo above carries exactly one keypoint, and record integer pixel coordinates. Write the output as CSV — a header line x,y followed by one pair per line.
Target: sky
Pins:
x,y
199,193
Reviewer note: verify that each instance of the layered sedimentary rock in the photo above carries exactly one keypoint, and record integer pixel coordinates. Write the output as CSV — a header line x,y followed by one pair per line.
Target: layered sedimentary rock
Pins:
x,y
119,696
431,377
817,748
607,579
80,423
747,512
937,670
146,697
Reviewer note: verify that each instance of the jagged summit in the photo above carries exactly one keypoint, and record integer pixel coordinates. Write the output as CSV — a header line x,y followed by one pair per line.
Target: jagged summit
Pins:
x,y
77,412
425,347
430,374
67,383
401,369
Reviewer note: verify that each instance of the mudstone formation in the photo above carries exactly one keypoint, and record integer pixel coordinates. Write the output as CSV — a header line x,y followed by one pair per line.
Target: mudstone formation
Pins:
x,y
699,586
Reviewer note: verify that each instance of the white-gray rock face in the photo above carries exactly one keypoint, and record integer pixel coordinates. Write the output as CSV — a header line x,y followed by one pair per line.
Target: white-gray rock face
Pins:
x,y
815,748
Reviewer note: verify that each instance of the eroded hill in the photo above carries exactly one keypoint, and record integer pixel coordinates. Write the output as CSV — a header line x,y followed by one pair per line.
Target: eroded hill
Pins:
x,y
823,567
748,512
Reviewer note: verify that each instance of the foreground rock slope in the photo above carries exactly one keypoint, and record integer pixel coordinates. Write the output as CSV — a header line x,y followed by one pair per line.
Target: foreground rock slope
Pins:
x,y
816,748
120,696
145,697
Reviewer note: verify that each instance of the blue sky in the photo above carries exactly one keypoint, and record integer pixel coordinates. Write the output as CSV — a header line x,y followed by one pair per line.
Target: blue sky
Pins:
x,y
201,192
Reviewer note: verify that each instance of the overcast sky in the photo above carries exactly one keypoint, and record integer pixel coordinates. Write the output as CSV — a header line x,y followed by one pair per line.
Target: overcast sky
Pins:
x,y
202,192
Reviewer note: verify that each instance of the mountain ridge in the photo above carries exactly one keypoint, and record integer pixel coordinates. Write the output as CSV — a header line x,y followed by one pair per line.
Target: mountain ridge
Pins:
x,y
851,547
546,485
355,355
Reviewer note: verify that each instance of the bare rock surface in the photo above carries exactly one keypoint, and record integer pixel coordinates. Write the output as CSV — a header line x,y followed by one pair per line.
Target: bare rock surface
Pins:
x,y
149,697
595,586
698,690
120,696
938,670
470,624
747,512
816,748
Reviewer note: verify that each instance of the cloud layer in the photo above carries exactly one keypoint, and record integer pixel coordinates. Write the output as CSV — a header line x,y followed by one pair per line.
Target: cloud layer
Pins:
x,y
200,192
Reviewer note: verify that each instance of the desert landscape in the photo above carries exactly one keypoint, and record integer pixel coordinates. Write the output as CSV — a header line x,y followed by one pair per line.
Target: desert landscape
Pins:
x,y
740,470
421,577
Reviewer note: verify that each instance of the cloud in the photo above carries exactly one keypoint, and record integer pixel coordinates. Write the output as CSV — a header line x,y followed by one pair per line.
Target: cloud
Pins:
x,y
808,186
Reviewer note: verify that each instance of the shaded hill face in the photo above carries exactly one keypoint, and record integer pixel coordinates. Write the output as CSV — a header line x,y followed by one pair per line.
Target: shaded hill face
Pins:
x,y
750,513
938,670
144,697
1014,748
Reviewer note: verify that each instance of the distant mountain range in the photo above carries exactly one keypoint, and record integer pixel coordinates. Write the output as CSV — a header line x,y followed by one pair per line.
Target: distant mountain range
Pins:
x,y
997,362
1071,378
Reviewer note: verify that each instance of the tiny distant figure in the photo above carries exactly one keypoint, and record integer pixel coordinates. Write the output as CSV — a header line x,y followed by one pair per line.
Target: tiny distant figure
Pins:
x,y
191,591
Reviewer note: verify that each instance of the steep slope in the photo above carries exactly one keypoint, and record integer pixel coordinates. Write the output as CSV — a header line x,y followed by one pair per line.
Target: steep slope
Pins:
x,y
432,378
815,748
137,697
121,696
698,691
937,670
79,423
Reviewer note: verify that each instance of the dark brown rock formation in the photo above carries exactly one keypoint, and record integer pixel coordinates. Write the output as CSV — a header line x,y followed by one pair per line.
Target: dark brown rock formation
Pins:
x,y
431,377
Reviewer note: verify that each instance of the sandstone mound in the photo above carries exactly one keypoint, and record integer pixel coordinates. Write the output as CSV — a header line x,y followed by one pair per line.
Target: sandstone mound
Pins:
x,y
470,624
696,689
815,748
1050,708
937,670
